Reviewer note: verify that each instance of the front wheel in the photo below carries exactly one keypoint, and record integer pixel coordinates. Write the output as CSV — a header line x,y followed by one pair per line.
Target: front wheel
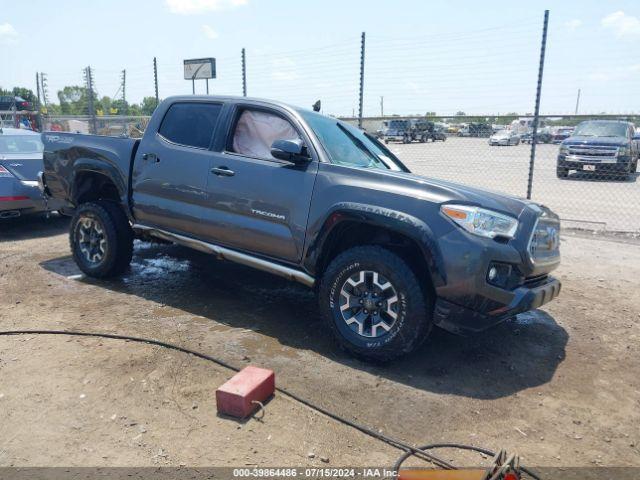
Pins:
x,y
101,239
374,304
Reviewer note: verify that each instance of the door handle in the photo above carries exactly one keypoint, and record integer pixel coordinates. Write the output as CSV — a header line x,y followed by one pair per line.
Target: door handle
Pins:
x,y
150,156
223,171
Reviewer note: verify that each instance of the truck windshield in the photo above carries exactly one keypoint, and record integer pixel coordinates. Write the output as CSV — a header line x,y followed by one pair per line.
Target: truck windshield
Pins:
x,y
601,129
20,144
347,145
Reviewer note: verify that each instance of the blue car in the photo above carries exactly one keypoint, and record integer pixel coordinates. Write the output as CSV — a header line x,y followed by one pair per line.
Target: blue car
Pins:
x,y
20,163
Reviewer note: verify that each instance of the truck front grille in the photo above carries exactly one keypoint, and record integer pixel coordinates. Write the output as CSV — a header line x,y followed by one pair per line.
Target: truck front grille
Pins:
x,y
593,153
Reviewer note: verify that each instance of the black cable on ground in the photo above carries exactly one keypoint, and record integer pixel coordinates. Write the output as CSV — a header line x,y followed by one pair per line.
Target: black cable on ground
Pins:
x,y
408,449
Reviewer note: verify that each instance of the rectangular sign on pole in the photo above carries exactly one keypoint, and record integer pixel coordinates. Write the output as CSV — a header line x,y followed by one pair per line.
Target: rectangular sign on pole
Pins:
x,y
199,68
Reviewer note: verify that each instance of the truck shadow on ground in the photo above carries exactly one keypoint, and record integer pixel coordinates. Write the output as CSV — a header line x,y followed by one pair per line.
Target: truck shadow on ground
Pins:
x,y
33,226
508,358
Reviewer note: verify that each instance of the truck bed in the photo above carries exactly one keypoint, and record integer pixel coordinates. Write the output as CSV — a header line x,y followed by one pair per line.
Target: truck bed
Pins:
x,y
67,155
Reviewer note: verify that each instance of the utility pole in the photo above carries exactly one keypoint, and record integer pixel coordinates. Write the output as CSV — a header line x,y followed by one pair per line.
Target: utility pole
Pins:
x,y
361,80
244,74
578,101
124,86
155,79
381,106
536,114
38,89
90,93
43,89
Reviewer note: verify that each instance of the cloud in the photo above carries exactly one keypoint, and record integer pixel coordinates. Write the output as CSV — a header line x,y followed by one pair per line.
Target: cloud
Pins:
x,y
623,25
619,73
209,32
8,34
283,69
573,24
599,77
195,7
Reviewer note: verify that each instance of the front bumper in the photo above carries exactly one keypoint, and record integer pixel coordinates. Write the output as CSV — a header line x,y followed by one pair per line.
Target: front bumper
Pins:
x,y
575,162
394,138
462,320
469,301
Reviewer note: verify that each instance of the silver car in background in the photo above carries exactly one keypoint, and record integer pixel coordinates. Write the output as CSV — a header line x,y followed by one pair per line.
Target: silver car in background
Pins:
x,y
20,164
504,137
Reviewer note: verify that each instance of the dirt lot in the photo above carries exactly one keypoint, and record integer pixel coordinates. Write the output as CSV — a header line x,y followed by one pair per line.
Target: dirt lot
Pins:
x,y
560,385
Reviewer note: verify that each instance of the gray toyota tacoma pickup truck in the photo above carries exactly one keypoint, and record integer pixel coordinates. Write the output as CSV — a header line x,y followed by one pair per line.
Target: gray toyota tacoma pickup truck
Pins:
x,y
308,197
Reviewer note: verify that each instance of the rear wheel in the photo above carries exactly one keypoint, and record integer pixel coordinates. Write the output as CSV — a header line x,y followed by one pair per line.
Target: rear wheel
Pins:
x,y
101,239
374,304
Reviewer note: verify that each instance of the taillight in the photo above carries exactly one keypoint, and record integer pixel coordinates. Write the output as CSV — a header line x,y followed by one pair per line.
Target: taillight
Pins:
x,y
14,198
4,172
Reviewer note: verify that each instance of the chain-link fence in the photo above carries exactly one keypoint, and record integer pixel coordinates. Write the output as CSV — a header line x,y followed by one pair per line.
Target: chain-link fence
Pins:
x,y
453,91
587,176
110,125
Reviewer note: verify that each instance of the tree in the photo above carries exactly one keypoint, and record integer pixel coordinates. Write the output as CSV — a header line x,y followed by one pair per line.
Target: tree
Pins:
x,y
460,114
74,100
148,105
25,93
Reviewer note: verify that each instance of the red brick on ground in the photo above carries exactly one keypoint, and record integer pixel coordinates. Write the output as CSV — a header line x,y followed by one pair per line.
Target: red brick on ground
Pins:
x,y
250,384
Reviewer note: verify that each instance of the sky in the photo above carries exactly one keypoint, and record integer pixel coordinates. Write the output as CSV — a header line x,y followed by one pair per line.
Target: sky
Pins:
x,y
421,56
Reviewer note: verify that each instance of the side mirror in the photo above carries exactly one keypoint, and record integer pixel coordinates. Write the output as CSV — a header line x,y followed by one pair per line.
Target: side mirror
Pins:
x,y
290,151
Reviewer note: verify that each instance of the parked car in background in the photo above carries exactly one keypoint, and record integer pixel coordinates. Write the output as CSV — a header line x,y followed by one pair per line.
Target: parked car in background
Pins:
x,y
562,134
411,130
396,131
475,129
438,133
391,254
20,163
604,147
544,136
504,137
7,102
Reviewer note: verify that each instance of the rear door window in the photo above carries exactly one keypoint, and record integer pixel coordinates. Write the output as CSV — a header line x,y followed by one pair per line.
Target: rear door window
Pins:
x,y
190,124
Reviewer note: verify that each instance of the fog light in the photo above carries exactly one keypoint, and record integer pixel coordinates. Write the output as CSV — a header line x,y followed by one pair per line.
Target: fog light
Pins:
x,y
500,275
493,273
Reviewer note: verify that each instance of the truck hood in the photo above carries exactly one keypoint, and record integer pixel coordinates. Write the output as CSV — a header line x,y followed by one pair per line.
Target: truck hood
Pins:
x,y
596,141
442,191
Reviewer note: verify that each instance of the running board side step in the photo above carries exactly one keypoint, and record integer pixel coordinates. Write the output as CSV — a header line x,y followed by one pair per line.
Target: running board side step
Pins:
x,y
228,254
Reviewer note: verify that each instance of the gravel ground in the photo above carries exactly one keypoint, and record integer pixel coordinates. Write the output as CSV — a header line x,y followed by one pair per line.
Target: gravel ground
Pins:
x,y
582,201
560,385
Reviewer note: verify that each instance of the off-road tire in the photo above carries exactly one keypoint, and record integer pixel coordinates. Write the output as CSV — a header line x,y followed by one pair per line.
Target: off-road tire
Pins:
x,y
117,233
414,306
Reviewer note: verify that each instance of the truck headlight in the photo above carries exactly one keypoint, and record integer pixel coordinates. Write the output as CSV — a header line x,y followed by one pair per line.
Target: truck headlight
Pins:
x,y
623,151
564,150
480,221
